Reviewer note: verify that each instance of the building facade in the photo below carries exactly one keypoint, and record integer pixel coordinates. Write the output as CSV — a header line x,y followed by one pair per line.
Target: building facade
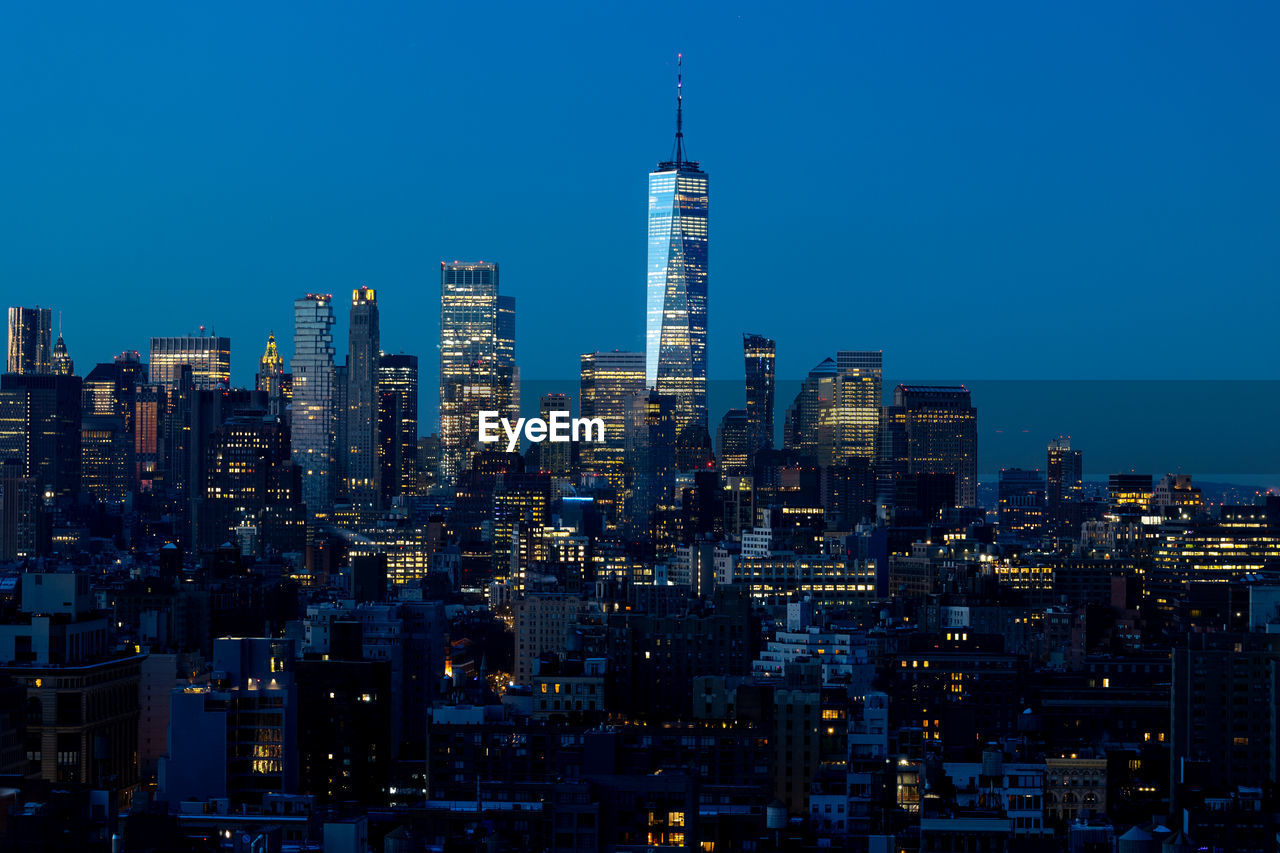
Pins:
x,y
313,380
208,355
676,316
477,359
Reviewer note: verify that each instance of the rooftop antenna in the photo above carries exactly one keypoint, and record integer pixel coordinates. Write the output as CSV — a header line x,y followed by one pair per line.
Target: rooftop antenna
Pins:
x,y
679,110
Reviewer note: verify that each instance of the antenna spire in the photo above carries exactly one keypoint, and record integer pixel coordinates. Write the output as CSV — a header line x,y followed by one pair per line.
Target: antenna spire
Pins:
x,y
679,110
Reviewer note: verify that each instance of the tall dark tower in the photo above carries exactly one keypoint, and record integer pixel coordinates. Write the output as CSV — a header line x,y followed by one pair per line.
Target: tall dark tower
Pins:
x,y
1065,483
364,472
398,424
676,315
759,354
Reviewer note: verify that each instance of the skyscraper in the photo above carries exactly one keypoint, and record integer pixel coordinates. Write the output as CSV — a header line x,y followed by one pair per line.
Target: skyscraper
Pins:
x,y
312,430
1065,481
62,363
208,355
732,441
758,352
935,429
477,359
398,424
30,340
363,469
856,402
271,377
808,426
40,427
1021,496
555,458
676,315
611,383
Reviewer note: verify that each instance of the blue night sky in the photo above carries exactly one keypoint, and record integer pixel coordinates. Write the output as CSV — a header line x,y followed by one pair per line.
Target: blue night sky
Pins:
x,y
982,190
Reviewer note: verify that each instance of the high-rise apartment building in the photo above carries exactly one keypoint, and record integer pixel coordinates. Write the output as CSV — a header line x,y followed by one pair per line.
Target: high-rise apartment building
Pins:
x,y
758,352
312,422
30,340
398,424
934,428
477,360
676,313
611,383
364,471
208,355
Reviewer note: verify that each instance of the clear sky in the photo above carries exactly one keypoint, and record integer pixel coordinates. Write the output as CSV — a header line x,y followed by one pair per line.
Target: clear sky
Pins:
x,y
981,190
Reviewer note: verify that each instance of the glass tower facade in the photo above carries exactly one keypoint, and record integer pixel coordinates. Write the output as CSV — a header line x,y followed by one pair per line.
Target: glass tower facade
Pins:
x,y
477,360
759,354
209,357
610,383
30,333
856,402
676,311
398,424
313,378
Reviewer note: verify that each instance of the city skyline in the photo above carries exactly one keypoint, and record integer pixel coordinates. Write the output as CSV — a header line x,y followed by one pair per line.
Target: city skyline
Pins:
x,y
937,508
1154,205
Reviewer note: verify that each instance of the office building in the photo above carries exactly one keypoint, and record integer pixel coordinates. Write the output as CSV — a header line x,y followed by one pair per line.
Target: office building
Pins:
x,y
555,458
1130,491
808,427
244,464
676,317
398,424
856,406
40,427
758,352
271,377
1065,484
1226,712
364,472
933,430
106,455
30,340
148,427
733,442
20,508
313,389
208,355
477,360
1021,496
62,363
611,382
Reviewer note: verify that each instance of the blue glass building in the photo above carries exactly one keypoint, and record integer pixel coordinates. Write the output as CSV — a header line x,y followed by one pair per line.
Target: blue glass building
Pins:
x,y
676,320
